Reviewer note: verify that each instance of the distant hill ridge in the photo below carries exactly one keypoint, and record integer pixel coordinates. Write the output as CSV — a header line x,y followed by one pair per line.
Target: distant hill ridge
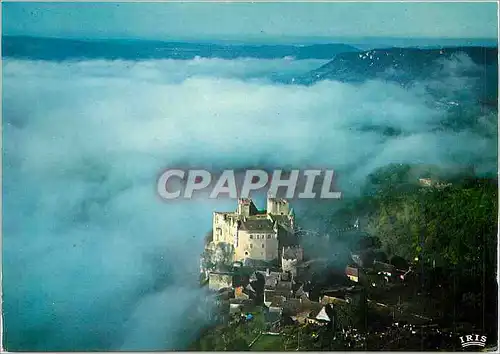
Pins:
x,y
64,49
396,64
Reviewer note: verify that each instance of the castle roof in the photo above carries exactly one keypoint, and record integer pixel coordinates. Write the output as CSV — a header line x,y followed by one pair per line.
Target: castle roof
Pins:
x,y
257,224
282,219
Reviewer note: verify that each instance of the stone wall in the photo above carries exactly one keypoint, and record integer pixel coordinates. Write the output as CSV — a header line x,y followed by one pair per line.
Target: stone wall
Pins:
x,y
257,245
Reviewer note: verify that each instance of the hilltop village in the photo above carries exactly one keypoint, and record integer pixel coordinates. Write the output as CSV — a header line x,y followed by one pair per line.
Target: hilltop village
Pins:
x,y
265,245
254,264
373,288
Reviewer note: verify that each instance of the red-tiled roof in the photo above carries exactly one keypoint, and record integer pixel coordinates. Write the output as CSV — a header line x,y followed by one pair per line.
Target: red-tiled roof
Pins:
x,y
352,271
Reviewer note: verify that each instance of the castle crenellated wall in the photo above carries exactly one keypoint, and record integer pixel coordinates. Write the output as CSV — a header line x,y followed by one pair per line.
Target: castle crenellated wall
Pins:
x,y
278,206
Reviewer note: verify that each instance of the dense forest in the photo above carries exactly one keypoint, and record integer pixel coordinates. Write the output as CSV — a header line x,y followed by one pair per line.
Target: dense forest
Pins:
x,y
452,223
450,227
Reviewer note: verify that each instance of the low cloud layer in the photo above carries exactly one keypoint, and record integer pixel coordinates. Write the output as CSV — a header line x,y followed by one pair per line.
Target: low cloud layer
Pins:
x,y
93,258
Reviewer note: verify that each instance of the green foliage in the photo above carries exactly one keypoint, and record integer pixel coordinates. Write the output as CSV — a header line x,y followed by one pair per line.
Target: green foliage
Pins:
x,y
453,228
308,338
455,224
353,314
235,336
268,342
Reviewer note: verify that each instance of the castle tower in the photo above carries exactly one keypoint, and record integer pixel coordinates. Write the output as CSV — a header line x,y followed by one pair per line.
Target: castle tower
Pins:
x,y
277,206
246,207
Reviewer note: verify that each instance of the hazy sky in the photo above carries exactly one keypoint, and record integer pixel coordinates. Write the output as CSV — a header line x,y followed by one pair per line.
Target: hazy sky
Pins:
x,y
251,20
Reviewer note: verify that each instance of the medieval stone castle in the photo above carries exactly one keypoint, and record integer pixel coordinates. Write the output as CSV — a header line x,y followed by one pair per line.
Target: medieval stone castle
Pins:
x,y
258,235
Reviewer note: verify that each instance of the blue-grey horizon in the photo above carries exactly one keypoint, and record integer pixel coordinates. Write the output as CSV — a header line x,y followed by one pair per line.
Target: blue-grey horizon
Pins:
x,y
252,21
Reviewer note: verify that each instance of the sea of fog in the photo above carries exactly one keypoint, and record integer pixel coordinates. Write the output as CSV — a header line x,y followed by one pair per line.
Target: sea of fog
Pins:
x,y
93,259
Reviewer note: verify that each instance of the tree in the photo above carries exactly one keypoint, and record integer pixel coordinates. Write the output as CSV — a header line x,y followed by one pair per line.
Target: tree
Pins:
x,y
352,314
456,224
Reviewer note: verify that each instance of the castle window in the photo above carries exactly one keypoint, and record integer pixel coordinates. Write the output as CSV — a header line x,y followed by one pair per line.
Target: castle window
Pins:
x,y
262,245
268,236
251,237
251,245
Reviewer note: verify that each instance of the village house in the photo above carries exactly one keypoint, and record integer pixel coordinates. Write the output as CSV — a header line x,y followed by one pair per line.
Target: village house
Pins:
x,y
322,317
245,292
425,182
333,298
237,306
353,273
297,309
428,182
300,293
271,279
290,258
352,294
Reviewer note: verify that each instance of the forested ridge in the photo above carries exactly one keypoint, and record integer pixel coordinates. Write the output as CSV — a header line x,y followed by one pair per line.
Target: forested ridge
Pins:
x,y
453,222
450,227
